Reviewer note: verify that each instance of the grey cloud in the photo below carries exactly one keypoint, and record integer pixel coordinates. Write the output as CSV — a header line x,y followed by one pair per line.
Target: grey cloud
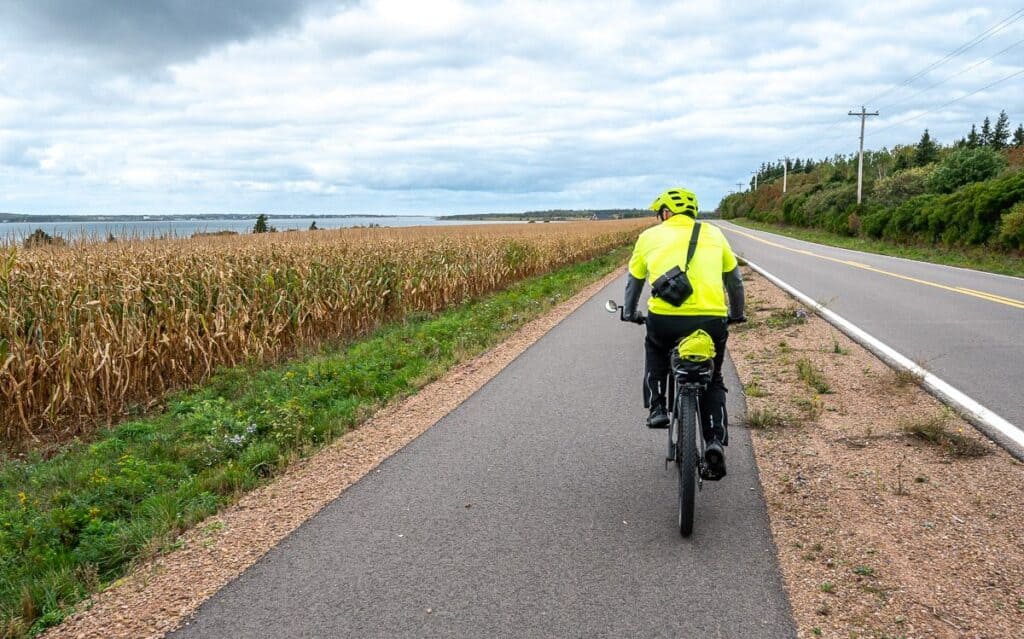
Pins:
x,y
148,35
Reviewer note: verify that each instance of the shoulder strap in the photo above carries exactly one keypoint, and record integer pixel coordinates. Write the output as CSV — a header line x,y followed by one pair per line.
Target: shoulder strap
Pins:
x,y
693,245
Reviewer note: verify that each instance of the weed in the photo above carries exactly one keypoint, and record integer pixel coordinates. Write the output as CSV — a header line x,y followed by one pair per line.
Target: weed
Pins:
x,y
864,571
839,350
816,631
767,418
828,587
784,347
812,376
902,377
810,407
934,429
785,318
753,389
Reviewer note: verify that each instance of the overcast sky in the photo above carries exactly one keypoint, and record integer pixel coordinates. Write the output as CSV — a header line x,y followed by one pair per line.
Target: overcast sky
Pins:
x,y
444,106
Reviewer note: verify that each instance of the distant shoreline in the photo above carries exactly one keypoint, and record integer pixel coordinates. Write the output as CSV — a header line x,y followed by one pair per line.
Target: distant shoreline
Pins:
x,y
28,218
85,218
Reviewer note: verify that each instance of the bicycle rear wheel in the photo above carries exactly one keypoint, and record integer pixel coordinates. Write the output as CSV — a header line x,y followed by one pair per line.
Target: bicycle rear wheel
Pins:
x,y
686,460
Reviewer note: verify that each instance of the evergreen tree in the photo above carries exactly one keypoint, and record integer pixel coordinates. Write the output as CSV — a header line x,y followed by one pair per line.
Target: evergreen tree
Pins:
x,y
927,151
261,224
1001,132
986,132
1018,136
973,140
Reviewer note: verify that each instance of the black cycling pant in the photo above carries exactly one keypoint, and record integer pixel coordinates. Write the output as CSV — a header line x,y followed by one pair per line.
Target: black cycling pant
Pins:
x,y
663,333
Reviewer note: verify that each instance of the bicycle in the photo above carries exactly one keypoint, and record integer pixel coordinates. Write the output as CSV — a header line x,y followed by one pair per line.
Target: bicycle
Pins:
x,y
686,444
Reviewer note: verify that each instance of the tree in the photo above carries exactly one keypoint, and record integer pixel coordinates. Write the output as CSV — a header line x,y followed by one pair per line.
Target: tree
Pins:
x,y
1018,136
973,140
261,224
986,132
1001,132
927,151
964,166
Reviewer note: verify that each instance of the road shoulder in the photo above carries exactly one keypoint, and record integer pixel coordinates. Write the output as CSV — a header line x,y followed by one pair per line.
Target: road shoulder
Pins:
x,y
879,530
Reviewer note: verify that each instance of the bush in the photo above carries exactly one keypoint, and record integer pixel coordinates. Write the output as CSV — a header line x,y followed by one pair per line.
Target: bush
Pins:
x,y
899,187
39,237
1011,228
965,166
972,215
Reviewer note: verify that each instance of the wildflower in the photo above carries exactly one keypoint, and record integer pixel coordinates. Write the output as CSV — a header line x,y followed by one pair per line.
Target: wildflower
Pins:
x,y
22,498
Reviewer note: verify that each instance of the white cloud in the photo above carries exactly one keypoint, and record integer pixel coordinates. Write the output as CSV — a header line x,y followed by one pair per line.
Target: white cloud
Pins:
x,y
391,105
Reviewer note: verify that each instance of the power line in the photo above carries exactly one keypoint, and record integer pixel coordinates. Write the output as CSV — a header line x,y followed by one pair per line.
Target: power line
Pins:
x,y
981,37
942,106
957,74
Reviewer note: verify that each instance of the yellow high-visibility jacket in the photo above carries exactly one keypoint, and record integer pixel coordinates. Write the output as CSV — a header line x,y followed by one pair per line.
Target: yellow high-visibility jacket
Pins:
x,y
660,248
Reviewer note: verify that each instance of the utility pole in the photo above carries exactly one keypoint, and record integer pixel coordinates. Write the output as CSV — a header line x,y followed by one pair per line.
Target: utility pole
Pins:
x,y
863,115
785,171
739,185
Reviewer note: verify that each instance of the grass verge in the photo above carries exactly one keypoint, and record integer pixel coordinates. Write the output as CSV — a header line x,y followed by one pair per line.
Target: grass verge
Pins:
x,y
74,523
977,258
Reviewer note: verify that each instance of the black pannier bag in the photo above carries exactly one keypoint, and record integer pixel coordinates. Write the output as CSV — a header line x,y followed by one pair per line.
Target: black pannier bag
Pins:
x,y
674,286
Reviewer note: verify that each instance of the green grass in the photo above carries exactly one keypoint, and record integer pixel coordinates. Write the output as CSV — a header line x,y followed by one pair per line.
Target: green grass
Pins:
x,y
73,523
767,418
978,258
812,376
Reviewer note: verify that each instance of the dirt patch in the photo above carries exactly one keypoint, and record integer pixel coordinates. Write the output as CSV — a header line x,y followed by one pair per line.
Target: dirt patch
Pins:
x,y
893,517
157,596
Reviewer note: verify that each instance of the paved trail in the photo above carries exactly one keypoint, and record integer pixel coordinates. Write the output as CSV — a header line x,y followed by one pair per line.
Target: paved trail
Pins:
x,y
964,326
539,508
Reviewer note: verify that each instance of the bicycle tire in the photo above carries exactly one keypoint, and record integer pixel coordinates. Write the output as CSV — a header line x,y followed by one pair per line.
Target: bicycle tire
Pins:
x,y
686,460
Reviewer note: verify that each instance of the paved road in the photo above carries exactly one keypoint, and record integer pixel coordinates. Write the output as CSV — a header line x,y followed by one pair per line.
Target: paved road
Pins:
x,y
964,326
538,508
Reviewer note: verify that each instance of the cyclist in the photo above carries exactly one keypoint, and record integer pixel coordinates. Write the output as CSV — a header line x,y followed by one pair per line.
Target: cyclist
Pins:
x,y
659,256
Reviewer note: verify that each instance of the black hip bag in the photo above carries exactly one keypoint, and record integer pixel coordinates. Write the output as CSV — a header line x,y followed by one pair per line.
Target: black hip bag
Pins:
x,y
674,286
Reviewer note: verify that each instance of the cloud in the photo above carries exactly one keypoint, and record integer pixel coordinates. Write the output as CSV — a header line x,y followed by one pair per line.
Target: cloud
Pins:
x,y
448,106
150,34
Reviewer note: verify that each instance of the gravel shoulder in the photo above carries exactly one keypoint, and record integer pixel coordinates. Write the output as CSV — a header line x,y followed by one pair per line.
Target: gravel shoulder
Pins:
x,y
880,532
158,595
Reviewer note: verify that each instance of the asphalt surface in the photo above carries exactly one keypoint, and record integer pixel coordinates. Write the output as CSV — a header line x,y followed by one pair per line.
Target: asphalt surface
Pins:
x,y
969,337
540,507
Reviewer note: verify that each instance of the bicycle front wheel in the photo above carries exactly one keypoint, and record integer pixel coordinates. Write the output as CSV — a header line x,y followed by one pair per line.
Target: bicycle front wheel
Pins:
x,y
686,460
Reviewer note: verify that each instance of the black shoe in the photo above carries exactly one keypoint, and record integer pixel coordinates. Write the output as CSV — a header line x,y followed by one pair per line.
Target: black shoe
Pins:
x,y
714,457
658,418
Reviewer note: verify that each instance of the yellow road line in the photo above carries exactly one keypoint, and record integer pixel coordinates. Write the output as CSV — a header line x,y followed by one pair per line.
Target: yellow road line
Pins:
x,y
989,297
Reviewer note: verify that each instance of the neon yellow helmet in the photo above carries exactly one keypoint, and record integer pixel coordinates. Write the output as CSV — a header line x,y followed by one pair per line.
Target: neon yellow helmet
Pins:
x,y
678,200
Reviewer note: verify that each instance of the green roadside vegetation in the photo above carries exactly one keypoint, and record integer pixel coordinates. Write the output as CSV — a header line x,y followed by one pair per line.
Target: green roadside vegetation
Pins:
x,y
960,204
74,523
974,258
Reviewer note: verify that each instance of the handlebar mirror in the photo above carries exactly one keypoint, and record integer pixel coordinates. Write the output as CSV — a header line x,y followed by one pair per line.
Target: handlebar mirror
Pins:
x,y
611,306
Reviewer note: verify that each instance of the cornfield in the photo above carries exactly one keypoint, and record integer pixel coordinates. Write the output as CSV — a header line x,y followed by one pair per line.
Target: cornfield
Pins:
x,y
91,332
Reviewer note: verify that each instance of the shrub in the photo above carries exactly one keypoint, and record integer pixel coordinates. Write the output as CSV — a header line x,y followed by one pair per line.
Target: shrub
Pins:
x,y
965,166
971,216
903,185
39,237
1011,228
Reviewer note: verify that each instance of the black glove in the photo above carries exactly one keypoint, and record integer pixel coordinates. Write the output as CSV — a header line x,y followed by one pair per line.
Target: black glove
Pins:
x,y
636,317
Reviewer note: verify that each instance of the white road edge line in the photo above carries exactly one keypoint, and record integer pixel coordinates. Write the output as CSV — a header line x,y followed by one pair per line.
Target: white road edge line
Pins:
x,y
989,423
